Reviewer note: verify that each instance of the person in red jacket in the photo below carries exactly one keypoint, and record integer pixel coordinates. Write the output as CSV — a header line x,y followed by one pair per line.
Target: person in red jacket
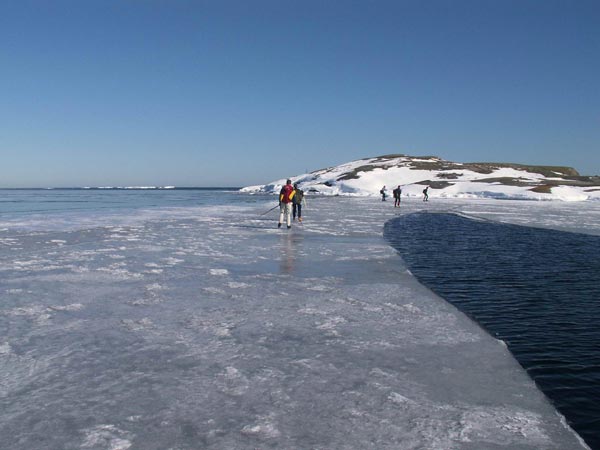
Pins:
x,y
286,199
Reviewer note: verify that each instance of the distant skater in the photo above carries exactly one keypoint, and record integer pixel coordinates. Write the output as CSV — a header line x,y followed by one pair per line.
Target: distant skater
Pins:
x,y
286,197
425,195
383,193
297,203
397,196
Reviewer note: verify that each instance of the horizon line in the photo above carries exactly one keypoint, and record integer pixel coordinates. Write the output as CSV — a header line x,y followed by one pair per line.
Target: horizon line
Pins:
x,y
122,188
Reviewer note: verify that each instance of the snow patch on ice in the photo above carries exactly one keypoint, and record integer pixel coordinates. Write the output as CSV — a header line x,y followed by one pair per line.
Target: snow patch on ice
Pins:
x,y
311,311
14,291
107,437
151,297
154,287
318,288
71,307
117,270
399,399
410,308
170,261
232,382
263,429
330,325
496,424
137,325
5,348
223,332
218,272
37,313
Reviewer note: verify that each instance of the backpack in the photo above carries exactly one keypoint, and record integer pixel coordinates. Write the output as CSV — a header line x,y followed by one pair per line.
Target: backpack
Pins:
x,y
299,196
287,193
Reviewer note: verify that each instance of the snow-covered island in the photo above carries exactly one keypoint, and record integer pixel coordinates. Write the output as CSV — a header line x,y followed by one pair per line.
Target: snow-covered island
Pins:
x,y
446,179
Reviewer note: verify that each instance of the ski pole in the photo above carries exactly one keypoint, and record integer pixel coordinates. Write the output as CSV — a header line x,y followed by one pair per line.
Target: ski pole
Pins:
x,y
276,206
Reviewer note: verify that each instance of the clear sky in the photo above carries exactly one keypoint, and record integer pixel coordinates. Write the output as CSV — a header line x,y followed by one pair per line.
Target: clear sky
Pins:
x,y
232,93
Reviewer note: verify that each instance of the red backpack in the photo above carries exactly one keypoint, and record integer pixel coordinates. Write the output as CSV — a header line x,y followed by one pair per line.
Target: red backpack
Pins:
x,y
287,193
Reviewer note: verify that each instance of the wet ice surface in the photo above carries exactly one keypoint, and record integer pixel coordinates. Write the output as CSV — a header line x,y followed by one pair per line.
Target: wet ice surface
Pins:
x,y
217,330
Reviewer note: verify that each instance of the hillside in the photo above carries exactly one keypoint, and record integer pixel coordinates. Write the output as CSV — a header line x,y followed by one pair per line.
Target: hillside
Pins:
x,y
365,177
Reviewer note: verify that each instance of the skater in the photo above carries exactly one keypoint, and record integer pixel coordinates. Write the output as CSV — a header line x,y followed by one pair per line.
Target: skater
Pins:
x,y
397,196
383,193
425,195
299,200
286,197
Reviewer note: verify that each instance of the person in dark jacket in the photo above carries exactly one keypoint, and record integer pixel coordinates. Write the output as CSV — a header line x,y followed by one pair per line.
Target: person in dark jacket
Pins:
x,y
397,196
383,193
298,201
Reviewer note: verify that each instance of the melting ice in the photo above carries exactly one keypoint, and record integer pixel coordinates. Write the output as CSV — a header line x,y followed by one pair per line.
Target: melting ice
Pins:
x,y
208,327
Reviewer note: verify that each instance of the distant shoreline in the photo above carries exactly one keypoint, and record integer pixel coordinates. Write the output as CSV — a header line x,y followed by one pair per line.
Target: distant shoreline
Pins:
x,y
124,188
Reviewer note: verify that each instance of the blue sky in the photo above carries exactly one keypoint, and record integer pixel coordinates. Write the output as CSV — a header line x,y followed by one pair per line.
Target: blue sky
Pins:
x,y
231,93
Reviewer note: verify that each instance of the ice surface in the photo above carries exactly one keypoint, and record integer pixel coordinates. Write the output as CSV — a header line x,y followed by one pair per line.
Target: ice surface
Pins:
x,y
211,328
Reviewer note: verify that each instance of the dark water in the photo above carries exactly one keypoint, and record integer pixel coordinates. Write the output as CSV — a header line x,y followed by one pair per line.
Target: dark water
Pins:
x,y
536,289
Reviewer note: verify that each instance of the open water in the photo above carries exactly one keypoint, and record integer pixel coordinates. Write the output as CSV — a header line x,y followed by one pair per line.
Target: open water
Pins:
x,y
77,208
536,289
18,202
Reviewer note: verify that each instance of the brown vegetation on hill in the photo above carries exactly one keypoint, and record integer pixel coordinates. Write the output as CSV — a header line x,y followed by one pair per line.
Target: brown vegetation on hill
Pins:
x,y
554,175
547,171
542,189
